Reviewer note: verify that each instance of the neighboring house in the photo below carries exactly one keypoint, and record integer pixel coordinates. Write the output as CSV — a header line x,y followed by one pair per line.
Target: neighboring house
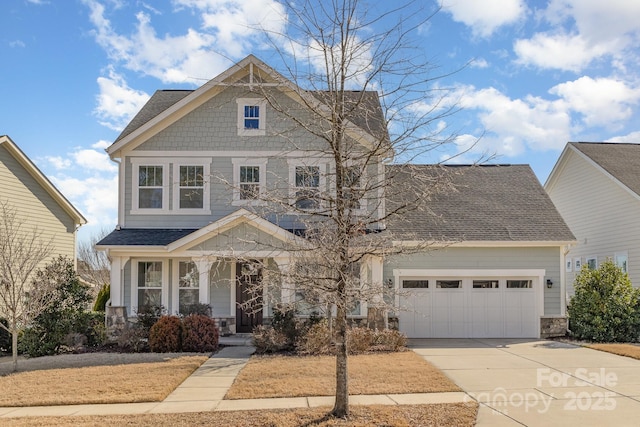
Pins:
x,y
596,188
500,240
37,201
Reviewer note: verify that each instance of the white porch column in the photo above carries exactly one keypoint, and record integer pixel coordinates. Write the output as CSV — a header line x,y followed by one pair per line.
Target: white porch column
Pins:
x,y
287,289
117,280
204,266
377,315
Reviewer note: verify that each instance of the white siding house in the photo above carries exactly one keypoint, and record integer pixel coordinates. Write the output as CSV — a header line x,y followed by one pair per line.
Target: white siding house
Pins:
x,y
190,162
596,188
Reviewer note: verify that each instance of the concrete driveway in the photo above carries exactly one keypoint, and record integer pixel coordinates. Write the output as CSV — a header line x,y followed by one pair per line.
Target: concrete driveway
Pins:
x,y
539,383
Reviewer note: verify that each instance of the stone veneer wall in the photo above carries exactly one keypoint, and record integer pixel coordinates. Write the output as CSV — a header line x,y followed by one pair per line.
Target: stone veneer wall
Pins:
x,y
553,327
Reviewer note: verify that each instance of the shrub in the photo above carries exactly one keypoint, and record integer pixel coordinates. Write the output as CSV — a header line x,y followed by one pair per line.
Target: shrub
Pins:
x,y
317,340
65,315
102,298
5,337
268,340
359,340
388,340
198,308
133,338
606,307
148,315
200,333
166,335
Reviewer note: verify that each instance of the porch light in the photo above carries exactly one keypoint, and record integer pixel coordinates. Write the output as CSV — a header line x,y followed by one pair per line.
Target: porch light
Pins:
x,y
549,283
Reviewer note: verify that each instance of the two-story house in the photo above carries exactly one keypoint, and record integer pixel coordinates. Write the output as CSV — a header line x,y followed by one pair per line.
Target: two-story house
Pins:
x,y
194,166
596,188
37,202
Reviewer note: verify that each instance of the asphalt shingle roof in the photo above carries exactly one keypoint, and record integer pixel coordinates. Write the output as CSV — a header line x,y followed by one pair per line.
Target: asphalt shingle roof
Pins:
x,y
476,203
144,236
621,160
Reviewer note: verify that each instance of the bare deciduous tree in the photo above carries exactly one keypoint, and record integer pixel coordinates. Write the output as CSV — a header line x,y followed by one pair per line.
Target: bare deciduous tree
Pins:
x,y
332,48
23,249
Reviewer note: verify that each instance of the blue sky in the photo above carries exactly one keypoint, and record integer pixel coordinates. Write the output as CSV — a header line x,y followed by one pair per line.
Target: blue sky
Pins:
x,y
542,73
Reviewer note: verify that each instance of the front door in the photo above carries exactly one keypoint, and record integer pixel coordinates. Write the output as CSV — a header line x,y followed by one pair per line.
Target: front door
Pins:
x,y
248,296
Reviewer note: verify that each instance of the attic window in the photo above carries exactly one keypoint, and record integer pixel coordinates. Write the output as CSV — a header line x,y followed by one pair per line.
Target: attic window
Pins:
x,y
251,116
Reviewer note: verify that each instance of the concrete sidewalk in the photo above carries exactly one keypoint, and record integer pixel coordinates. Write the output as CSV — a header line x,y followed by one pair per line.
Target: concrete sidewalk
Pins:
x,y
205,389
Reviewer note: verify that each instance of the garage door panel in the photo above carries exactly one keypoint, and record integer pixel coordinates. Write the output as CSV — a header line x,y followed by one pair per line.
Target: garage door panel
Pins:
x,y
489,312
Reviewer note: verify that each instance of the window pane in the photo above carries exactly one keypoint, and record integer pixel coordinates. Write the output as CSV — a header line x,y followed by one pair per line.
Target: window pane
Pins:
x,y
150,274
187,299
518,284
448,284
249,174
150,176
307,199
485,284
415,284
249,191
191,199
149,298
308,176
150,198
188,274
191,176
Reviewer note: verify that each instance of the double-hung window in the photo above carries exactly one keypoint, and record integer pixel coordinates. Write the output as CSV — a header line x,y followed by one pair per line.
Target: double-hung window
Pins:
x,y
307,187
352,191
251,116
249,181
188,286
191,187
150,187
149,283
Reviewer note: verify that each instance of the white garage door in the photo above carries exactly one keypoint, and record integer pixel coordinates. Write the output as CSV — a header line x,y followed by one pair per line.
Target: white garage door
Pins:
x,y
469,307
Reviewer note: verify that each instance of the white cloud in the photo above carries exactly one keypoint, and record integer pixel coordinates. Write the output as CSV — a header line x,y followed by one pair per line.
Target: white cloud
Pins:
x,y
485,17
92,160
230,29
630,137
601,101
58,162
582,31
117,102
479,63
17,43
559,51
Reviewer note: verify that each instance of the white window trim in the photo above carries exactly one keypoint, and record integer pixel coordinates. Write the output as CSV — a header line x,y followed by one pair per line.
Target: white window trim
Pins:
x,y
322,187
164,298
262,118
135,187
577,264
175,290
206,200
262,185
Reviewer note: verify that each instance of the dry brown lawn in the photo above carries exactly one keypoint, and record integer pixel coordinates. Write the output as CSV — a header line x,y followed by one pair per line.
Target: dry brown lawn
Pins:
x,y
451,414
628,350
382,373
136,382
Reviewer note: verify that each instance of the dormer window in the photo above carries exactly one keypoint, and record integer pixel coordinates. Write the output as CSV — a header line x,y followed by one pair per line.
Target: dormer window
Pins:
x,y
251,116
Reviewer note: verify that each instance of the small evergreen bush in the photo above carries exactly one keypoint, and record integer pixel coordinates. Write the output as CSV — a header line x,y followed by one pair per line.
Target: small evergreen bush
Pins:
x,y
200,334
165,336
606,307
101,300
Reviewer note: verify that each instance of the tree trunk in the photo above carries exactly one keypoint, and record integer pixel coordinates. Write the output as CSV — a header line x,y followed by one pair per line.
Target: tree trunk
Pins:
x,y
14,349
341,407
